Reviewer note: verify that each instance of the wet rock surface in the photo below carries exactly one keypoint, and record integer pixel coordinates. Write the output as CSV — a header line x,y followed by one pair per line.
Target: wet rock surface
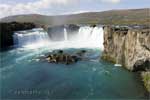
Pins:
x,y
128,47
141,65
65,58
7,30
56,33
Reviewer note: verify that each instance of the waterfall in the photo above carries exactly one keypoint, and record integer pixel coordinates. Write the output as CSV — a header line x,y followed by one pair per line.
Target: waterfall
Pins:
x,y
84,33
97,36
34,37
91,36
65,34
86,36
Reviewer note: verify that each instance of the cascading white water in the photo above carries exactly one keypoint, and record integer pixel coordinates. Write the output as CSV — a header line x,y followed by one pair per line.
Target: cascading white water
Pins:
x,y
97,36
84,33
28,38
65,34
89,37
86,37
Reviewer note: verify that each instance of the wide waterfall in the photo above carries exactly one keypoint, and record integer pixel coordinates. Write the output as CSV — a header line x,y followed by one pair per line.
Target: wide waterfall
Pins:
x,y
86,36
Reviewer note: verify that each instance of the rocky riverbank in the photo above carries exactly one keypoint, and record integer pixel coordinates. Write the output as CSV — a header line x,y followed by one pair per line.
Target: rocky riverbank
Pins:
x,y
146,79
129,47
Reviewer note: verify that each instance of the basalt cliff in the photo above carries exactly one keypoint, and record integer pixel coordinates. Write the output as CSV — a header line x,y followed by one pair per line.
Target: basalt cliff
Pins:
x,y
130,48
7,30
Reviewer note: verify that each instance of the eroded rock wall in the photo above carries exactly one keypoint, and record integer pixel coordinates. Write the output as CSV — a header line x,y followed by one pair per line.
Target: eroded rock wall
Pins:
x,y
126,46
137,48
129,47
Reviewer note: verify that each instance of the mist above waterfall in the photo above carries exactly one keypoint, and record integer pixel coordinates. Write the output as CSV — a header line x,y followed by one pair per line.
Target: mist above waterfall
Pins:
x,y
31,38
61,37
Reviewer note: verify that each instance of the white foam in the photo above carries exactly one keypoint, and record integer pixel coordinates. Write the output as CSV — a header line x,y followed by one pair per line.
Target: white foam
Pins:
x,y
87,37
117,65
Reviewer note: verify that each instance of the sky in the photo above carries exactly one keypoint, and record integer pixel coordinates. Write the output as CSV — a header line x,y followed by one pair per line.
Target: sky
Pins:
x,y
61,7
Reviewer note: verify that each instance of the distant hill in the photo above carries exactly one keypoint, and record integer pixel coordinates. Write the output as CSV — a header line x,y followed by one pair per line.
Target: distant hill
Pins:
x,y
128,16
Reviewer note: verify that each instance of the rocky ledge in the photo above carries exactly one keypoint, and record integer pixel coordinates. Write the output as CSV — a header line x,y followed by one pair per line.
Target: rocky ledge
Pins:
x,y
129,47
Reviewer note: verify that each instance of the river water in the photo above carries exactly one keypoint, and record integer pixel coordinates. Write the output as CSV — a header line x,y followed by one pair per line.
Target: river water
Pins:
x,y
25,76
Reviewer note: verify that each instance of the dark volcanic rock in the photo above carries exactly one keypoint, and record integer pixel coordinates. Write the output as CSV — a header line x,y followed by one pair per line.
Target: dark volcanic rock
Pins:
x,y
62,58
73,27
65,58
56,33
141,65
7,29
93,25
72,31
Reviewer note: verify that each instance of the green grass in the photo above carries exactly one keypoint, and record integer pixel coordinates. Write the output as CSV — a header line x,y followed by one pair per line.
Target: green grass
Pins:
x,y
108,58
146,80
111,17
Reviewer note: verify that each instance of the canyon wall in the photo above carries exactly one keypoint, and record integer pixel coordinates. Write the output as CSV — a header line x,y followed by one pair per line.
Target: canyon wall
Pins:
x,y
128,47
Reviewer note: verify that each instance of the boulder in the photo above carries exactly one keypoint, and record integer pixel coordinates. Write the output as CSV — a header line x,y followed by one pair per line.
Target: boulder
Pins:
x,y
60,57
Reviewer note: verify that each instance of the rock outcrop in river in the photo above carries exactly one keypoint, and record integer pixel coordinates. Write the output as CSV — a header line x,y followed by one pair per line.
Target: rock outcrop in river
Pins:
x,y
66,58
128,47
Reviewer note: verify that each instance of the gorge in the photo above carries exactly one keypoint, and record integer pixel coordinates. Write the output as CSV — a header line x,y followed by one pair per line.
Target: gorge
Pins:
x,y
115,46
85,79
130,48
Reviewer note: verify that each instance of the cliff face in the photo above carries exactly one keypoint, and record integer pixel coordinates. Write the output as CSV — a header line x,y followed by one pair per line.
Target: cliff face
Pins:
x,y
7,30
137,49
129,47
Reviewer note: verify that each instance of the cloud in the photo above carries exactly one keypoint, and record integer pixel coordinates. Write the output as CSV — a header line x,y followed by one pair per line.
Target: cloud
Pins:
x,y
38,6
111,1
30,7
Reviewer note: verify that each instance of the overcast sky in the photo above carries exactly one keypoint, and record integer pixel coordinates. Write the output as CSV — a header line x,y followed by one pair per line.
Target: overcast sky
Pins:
x,y
57,7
